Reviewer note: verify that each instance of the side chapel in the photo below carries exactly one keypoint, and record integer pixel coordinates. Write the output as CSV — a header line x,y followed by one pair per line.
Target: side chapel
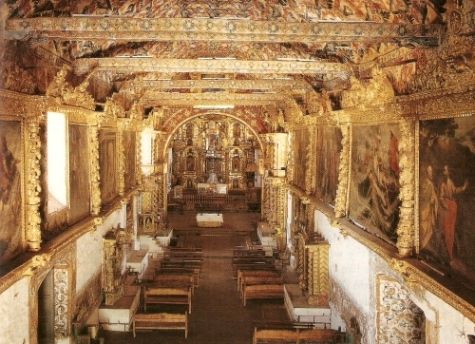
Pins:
x,y
348,126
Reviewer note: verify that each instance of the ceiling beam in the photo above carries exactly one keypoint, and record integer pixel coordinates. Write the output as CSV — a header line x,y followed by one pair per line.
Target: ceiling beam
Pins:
x,y
227,84
206,29
152,65
153,98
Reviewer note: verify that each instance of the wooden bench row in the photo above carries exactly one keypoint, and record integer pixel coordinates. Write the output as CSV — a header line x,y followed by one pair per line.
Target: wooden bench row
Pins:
x,y
173,281
160,321
167,296
262,291
243,274
297,336
248,253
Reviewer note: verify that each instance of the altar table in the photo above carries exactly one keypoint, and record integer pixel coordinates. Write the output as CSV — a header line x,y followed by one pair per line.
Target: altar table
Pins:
x,y
209,220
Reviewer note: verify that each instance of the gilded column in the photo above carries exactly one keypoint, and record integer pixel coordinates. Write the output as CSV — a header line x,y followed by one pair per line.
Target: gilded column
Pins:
x,y
310,172
120,160
94,176
318,273
405,229
138,158
33,187
343,175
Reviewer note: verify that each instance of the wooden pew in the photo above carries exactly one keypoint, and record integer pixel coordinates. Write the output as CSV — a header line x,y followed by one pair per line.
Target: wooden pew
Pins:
x,y
179,252
248,253
160,321
260,280
255,267
176,271
262,291
167,296
179,263
296,335
241,274
173,281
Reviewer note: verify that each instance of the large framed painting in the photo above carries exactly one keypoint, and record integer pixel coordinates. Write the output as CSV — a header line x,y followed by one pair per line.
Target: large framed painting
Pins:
x,y
79,173
446,234
374,180
108,165
328,148
10,189
301,146
130,163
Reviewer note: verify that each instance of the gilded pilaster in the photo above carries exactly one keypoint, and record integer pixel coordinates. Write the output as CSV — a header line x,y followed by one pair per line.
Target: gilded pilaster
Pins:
x,y
120,159
94,175
32,183
405,229
310,171
138,159
344,173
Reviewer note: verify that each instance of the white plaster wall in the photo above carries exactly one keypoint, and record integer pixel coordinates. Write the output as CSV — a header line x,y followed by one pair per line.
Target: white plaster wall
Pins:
x,y
355,268
89,248
349,263
14,312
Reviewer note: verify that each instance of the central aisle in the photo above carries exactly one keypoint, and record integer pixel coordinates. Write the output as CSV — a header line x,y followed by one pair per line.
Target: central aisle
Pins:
x,y
218,315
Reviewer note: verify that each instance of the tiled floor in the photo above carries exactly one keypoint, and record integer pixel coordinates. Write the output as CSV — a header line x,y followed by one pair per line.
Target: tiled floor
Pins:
x,y
218,316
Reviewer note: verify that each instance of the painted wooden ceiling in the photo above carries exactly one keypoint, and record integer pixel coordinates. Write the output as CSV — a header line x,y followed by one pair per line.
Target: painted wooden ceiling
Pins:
x,y
130,47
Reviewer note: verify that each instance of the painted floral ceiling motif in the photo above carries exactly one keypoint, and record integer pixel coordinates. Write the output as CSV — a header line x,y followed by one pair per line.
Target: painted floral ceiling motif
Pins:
x,y
389,11
123,45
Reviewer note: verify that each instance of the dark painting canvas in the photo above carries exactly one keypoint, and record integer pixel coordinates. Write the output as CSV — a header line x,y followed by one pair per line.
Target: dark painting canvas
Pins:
x,y
10,189
447,193
374,179
327,159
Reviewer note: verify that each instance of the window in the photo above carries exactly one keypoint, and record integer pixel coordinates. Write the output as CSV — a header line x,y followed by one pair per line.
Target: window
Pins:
x,y
57,161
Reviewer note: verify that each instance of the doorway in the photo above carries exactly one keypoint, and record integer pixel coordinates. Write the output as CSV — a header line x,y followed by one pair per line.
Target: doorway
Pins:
x,y
46,310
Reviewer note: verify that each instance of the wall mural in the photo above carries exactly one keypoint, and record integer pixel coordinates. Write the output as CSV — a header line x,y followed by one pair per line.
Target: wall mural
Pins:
x,y
78,173
10,188
328,159
447,193
399,319
107,160
374,182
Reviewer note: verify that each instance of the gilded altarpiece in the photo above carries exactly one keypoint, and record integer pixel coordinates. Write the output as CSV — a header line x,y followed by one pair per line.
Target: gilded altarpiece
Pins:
x,y
79,173
316,260
108,165
273,207
11,163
